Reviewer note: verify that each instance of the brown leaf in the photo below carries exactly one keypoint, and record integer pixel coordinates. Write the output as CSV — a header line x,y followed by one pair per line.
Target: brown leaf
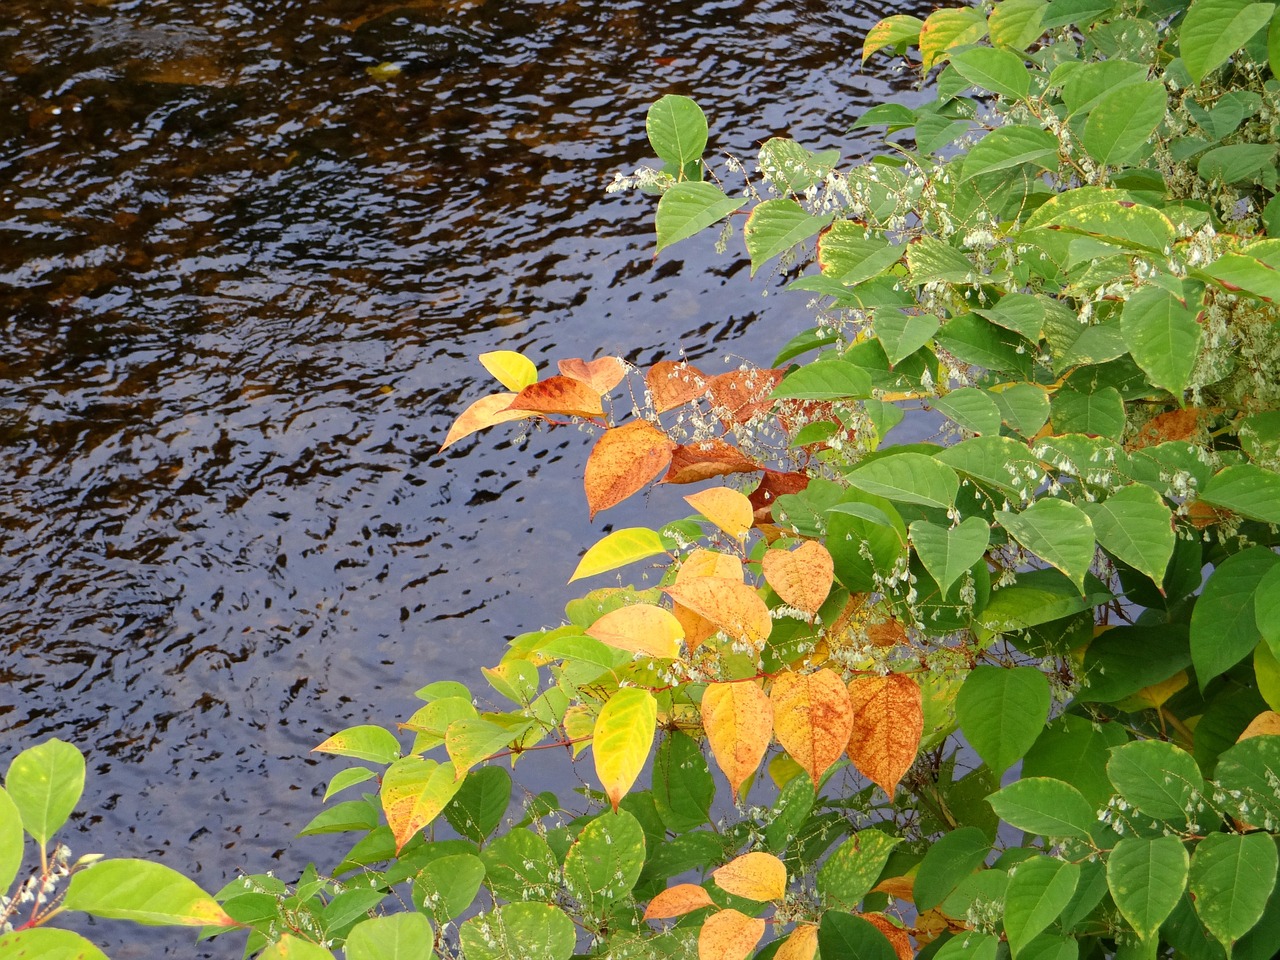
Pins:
x,y
640,628
561,396
756,876
740,395
888,720
801,577
693,462
729,935
673,384
623,460
812,718
727,509
885,633
677,901
801,943
897,937
601,375
731,605
738,721
485,412
1175,425
772,485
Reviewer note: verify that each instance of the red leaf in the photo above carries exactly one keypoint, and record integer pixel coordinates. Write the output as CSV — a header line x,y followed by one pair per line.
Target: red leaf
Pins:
x,y
773,485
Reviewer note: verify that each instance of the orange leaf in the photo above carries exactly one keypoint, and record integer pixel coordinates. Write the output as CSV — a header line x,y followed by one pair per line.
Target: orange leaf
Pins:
x,y
772,485
1174,425
731,605
901,887
885,633
740,395
485,412
801,577
673,384
801,944
888,719
1266,723
559,395
727,509
677,901
623,460
729,935
738,720
812,718
756,876
693,462
600,375
896,936
640,628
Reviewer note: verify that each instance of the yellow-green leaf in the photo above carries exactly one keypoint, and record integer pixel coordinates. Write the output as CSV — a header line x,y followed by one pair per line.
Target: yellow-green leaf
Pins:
x,y
513,370
414,791
621,739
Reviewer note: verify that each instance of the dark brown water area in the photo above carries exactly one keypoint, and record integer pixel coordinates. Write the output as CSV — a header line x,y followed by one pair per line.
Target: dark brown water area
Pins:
x,y
243,280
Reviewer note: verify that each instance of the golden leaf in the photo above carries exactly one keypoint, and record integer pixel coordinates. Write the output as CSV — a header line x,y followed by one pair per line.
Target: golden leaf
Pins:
x,y
559,395
727,509
623,460
640,628
738,720
801,944
730,604
513,370
888,721
485,412
901,887
812,718
702,563
801,577
1174,425
674,384
729,935
897,937
600,375
621,740
756,876
1264,724
677,901
693,462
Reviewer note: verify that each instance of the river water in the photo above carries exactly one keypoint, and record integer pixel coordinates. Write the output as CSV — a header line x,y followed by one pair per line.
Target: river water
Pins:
x,y
243,281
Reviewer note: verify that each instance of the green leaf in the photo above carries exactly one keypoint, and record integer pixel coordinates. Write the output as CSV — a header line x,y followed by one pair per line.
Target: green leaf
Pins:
x,y
1237,272
1223,625
947,552
1011,146
344,779
352,816
689,208
473,740
618,549
11,840
519,931
1246,772
1078,745
999,71
349,907
1116,221
931,260
293,948
902,333
520,865
948,861
998,461
1231,878
1214,30
1038,596
1024,407
1266,668
845,935
945,30
605,861
398,936
477,808
1123,121
847,253
1135,525
683,788
1158,779
895,31
972,409
1039,889
1001,712
776,226
1123,660
1146,879
365,742
1237,163
1162,336
1046,807
853,868
1246,489
970,945
791,168
677,130
45,783
825,380
447,886
47,943
907,478
1058,532
1015,24
1019,312
144,892
1266,608
1098,413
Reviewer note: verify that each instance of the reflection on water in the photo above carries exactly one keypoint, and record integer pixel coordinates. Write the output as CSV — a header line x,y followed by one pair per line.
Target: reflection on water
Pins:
x,y
243,277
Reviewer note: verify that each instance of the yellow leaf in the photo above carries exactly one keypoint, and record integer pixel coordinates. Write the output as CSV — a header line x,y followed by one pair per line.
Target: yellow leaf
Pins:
x,y
801,944
731,605
702,563
513,370
1264,724
888,721
617,550
738,720
414,791
729,935
621,739
579,722
482,414
640,628
901,887
677,901
801,577
673,384
623,460
756,876
600,375
559,395
812,718
896,936
727,509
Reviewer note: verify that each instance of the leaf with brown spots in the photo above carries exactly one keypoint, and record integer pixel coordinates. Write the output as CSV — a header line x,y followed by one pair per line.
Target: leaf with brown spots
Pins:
x,y
623,460
482,414
727,509
801,577
801,944
559,396
738,720
883,630
601,375
729,935
773,485
672,384
640,628
897,937
740,395
888,720
677,901
693,462
813,719
731,605
756,876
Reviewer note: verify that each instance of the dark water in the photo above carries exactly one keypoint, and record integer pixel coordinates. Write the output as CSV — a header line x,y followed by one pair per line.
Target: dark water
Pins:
x,y
242,286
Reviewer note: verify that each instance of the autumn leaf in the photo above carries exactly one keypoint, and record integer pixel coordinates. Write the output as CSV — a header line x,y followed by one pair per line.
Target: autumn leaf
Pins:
x,y
729,935
640,628
801,577
756,876
513,370
600,375
801,944
774,484
1264,724
897,937
694,462
672,384
623,460
559,395
1175,425
738,720
621,740
414,791
813,719
740,395
727,509
730,604
677,901
485,412
702,563
888,720
901,887
885,633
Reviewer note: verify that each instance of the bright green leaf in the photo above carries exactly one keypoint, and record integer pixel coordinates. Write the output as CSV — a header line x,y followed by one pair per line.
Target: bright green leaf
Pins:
x,y
972,409
776,226
621,739
45,783
367,742
447,886
947,552
1231,878
520,864
1136,525
1247,489
397,936
1156,778
1223,624
144,892
519,931
689,208
605,861
1096,413
1123,121
1163,336
907,478
1001,712
677,130
1058,532
1146,878
47,943
902,333
853,868
1012,146
1214,30
617,549
999,71
1039,889
1045,806
11,840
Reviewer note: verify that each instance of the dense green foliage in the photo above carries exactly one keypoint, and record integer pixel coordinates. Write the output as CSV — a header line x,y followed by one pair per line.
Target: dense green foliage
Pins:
x,y
1015,690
